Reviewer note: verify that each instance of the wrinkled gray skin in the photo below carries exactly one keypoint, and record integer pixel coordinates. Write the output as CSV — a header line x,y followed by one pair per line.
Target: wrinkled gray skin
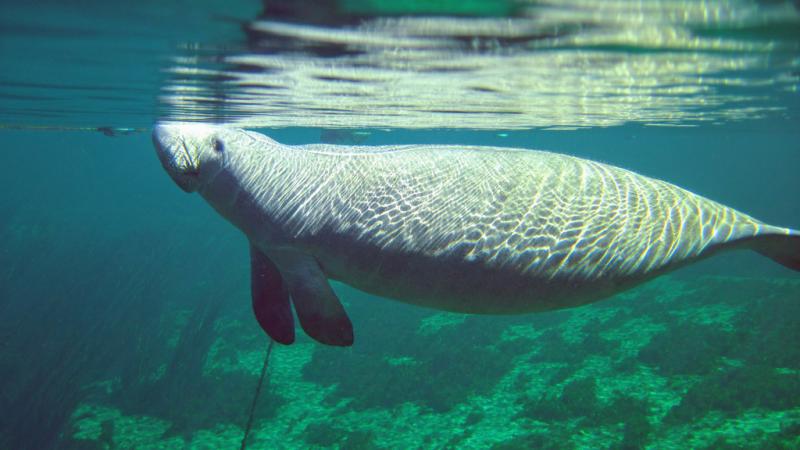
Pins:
x,y
461,228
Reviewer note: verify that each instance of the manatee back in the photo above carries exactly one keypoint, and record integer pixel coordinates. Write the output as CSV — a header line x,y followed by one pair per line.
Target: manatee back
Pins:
x,y
537,213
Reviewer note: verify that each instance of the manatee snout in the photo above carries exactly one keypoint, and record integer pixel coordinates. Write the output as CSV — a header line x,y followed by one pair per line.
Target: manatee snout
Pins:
x,y
179,159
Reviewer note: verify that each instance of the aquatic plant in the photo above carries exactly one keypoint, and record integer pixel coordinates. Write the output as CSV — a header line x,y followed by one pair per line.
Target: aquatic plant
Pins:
x,y
734,390
687,349
322,434
578,399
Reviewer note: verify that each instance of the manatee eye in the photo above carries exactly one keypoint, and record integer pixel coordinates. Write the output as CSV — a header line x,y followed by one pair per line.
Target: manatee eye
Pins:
x,y
219,147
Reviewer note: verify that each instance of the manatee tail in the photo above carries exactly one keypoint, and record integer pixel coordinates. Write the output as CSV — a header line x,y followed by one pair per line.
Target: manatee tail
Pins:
x,y
783,248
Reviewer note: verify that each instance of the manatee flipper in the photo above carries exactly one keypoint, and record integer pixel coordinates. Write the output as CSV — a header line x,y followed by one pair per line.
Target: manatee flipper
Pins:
x,y
320,312
781,248
270,296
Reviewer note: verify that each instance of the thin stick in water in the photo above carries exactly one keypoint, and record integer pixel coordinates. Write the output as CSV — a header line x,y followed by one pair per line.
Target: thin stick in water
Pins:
x,y
255,397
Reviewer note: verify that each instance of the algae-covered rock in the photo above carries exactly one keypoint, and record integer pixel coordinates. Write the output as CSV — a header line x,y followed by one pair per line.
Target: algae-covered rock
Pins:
x,y
736,389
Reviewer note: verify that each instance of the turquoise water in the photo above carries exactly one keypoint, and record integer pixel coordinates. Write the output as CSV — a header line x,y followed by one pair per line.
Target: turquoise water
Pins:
x,y
125,319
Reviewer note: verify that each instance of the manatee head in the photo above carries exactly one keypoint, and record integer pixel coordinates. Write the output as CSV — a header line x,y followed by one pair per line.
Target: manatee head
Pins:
x,y
192,154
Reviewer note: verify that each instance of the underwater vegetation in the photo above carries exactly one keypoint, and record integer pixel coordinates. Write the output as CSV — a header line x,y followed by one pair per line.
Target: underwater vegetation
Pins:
x,y
680,361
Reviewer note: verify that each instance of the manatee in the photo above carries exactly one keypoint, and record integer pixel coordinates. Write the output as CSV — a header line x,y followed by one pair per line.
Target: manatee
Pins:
x,y
469,229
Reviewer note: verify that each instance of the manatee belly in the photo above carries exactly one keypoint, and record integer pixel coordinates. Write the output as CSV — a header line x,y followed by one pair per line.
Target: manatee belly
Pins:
x,y
453,283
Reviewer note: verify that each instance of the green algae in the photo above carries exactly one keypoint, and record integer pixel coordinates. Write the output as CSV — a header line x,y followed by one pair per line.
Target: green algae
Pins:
x,y
734,390
113,429
696,350
640,372
435,323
